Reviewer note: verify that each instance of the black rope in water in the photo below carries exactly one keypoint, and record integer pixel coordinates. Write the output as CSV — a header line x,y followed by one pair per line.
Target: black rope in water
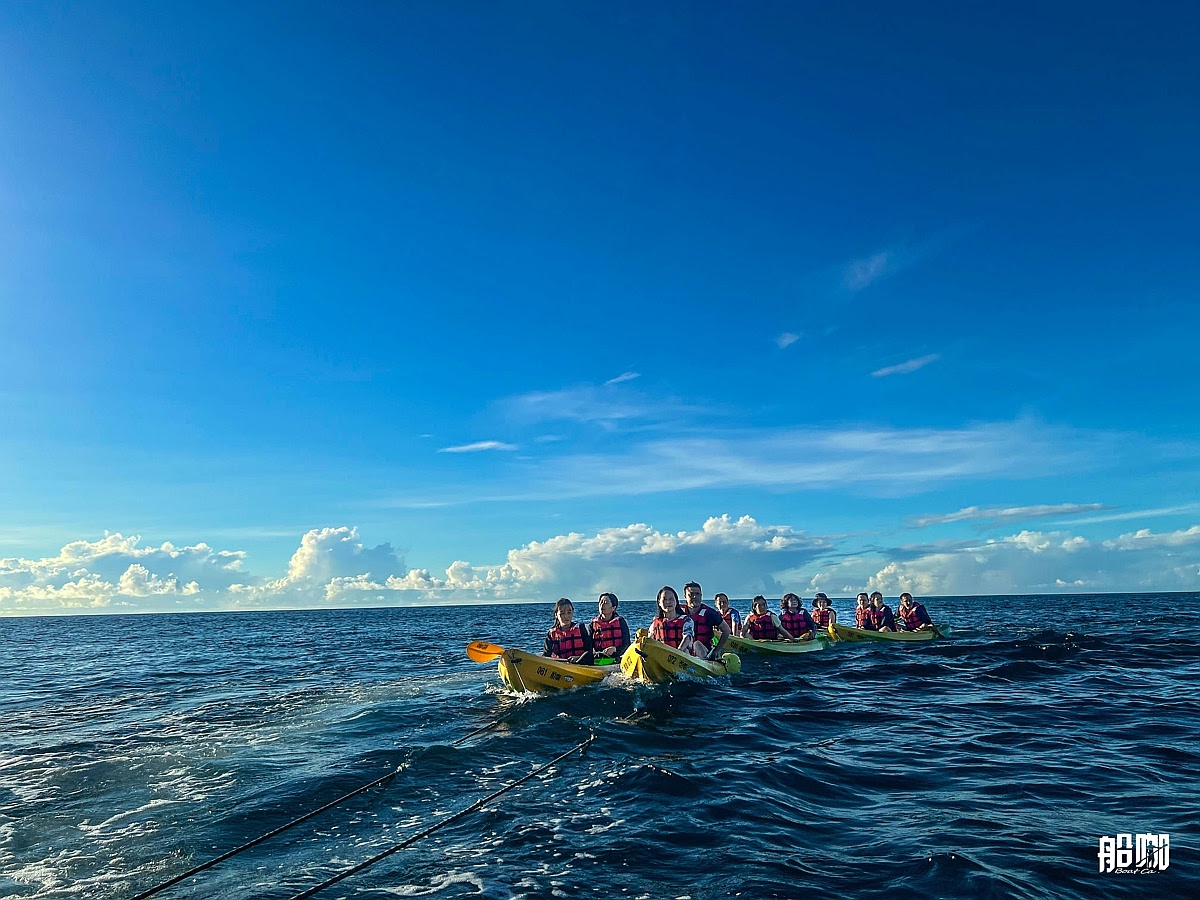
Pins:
x,y
442,824
292,824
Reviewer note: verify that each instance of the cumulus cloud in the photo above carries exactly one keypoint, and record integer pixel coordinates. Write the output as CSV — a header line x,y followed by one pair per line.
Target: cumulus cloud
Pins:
x,y
741,556
1004,514
478,447
905,367
786,339
1032,562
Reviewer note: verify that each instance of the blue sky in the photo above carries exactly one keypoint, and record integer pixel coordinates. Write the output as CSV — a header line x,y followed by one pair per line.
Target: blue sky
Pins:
x,y
442,302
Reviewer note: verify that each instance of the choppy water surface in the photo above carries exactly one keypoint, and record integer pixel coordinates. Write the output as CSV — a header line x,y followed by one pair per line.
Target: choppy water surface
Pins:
x,y
135,747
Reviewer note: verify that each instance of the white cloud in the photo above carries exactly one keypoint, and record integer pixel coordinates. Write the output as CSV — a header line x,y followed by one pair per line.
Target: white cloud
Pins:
x,y
478,447
624,376
1004,514
786,339
1145,539
333,567
905,367
610,406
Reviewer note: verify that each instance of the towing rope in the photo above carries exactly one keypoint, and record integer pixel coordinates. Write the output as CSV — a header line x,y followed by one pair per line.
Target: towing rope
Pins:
x,y
304,818
442,824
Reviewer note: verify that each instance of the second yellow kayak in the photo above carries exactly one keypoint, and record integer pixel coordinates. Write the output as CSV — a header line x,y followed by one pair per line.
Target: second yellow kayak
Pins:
x,y
655,662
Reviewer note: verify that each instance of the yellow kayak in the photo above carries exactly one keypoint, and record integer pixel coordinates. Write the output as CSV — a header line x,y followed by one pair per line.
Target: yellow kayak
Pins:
x,y
847,633
655,662
523,671
782,648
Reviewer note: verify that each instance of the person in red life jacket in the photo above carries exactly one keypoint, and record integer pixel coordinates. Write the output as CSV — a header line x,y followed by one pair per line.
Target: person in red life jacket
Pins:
x,y
822,612
610,632
912,615
882,618
706,622
732,617
567,639
762,624
795,619
862,612
671,625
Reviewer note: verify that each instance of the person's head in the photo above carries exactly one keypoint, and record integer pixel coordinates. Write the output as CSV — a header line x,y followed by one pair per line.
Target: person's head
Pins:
x,y
606,605
693,595
564,612
906,599
722,601
668,600
789,602
863,599
758,605
820,601
877,598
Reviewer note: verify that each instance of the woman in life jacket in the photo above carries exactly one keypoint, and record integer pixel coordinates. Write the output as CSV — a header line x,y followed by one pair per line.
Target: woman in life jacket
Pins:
x,y
796,619
567,639
762,624
610,632
882,618
912,615
672,625
862,612
732,617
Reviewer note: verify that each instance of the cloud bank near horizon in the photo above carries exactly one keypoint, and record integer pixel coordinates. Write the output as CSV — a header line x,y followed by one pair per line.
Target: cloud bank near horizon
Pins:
x,y
333,567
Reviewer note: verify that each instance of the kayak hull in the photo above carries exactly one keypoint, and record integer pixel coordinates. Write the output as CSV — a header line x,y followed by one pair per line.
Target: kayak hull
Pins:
x,y
778,648
654,662
523,671
847,633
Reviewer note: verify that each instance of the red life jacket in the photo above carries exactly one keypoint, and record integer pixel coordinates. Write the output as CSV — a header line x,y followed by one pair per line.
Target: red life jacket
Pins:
x,y
861,615
702,630
568,642
794,623
912,619
728,617
761,628
821,617
669,632
606,634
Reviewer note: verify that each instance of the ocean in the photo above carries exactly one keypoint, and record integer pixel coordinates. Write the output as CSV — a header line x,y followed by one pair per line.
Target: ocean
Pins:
x,y
992,764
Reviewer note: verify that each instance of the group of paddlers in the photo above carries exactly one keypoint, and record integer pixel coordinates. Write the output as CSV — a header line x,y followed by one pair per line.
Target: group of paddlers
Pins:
x,y
698,629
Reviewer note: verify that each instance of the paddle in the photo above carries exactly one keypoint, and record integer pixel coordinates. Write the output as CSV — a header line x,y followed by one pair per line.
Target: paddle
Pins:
x,y
482,651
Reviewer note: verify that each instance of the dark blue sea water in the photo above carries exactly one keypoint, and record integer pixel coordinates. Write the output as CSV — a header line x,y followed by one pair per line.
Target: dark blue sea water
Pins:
x,y
989,765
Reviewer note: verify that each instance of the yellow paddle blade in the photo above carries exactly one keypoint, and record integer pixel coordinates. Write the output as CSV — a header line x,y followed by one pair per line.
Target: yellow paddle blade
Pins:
x,y
482,651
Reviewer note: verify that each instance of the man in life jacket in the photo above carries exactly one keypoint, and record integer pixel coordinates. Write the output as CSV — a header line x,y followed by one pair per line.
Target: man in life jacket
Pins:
x,y
672,625
610,632
732,617
881,618
796,619
706,622
862,612
762,624
567,639
912,615
822,612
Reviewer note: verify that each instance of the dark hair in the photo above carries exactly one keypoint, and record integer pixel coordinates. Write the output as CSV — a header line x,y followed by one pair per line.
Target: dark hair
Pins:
x,y
612,598
692,584
875,594
658,599
789,596
758,598
906,594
